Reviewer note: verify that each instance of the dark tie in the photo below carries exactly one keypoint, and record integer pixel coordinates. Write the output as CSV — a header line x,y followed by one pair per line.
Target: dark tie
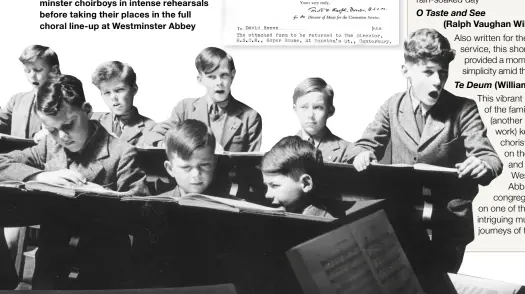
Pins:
x,y
215,112
117,130
311,140
420,120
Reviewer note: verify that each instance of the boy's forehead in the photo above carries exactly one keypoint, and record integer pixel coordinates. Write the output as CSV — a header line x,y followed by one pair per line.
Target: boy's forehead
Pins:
x,y
38,62
315,97
270,177
113,82
223,67
430,64
199,155
64,115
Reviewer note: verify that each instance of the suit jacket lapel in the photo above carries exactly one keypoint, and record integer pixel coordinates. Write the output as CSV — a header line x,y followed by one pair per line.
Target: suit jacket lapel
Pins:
x,y
20,124
200,111
35,124
330,141
435,122
407,118
132,131
232,121
97,149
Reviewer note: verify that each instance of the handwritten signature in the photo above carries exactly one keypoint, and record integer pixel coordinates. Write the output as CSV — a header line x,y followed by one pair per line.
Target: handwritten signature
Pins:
x,y
344,9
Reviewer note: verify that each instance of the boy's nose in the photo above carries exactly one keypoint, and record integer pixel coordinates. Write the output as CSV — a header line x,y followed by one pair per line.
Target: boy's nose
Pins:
x,y
310,112
62,135
195,172
436,79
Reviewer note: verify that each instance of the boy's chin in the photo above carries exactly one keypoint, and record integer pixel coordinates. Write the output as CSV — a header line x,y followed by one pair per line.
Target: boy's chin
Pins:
x,y
220,97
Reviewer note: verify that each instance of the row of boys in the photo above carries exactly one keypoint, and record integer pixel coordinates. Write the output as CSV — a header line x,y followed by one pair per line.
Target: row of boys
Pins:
x,y
424,124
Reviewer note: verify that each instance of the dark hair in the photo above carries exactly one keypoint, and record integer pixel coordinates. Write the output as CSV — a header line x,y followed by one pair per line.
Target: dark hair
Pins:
x,y
209,60
310,85
428,45
112,69
33,52
58,90
186,137
292,157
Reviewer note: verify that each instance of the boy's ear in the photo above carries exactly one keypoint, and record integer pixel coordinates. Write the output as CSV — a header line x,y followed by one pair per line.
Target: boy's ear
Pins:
x,y
307,183
199,78
135,89
331,111
404,70
87,108
55,69
167,166
233,73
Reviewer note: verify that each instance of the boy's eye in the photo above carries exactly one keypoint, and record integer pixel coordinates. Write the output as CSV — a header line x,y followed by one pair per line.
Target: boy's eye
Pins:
x,y
105,93
211,77
67,126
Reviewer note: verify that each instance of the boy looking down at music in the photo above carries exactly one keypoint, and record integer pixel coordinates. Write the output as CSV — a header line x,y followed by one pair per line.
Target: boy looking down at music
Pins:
x,y
190,147
77,151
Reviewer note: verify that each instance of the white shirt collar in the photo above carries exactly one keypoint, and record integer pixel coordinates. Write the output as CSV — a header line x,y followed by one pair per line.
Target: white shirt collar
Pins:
x,y
415,103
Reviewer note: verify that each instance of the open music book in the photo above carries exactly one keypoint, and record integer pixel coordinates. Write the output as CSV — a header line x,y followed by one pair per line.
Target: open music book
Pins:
x,y
66,191
469,284
213,202
420,167
360,257
217,152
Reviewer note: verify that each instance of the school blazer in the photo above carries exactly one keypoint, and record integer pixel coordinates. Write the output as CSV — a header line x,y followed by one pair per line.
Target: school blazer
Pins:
x,y
133,133
453,131
106,161
18,118
242,128
333,148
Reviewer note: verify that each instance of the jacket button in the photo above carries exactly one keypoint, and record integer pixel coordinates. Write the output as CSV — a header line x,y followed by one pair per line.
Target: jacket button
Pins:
x,y
415,158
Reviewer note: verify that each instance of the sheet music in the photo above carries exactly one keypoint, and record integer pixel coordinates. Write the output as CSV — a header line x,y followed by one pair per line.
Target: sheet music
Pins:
x,y
474,285
360,257
378,240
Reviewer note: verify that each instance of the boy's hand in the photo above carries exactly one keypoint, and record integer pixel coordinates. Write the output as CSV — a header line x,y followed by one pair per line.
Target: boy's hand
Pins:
x,y
472,167
64,177
363,160
41,135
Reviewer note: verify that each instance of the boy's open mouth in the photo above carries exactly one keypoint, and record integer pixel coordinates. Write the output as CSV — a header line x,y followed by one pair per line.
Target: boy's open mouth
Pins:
x,y
433,94
219,91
